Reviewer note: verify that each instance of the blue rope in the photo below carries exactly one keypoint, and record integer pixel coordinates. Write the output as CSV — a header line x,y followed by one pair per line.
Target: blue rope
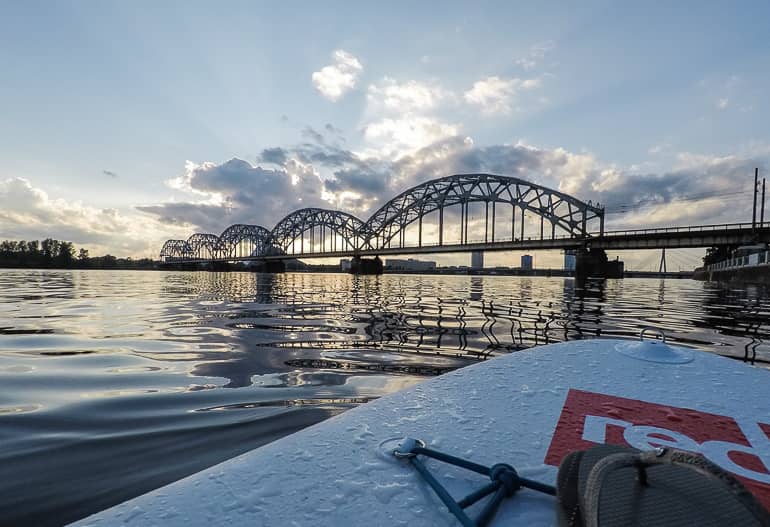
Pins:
x,y
505,482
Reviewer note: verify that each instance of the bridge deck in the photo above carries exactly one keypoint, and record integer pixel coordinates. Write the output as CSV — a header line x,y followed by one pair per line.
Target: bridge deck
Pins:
x,y
669,238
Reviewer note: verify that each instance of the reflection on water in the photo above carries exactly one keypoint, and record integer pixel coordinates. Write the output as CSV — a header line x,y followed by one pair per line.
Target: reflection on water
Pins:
x,y
114,383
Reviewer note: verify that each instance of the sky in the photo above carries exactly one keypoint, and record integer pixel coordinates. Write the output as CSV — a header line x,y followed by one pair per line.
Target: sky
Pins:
x,y
123,124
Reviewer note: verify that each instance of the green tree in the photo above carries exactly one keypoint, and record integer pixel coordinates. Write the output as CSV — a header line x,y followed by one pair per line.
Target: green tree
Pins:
x,y
65,253
717,254
50,248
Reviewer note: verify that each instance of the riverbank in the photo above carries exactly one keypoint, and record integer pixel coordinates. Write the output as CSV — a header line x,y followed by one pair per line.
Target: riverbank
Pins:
x,y
750,275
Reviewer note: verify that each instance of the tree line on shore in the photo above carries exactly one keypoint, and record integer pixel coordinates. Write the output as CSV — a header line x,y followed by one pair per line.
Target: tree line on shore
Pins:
x,y
56,254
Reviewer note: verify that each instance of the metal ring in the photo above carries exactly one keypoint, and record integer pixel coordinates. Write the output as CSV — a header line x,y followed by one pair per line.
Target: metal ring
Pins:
x,y
399,454
653,330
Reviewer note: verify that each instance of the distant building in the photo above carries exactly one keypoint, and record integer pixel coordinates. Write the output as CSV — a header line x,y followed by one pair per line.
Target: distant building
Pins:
x,y
569,260
526,261
409,265
345,265
477,259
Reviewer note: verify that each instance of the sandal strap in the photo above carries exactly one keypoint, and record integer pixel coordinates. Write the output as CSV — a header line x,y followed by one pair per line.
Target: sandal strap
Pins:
x,y
662,456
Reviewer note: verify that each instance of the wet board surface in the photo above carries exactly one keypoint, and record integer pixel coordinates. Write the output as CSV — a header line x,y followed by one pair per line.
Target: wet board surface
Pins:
x,y
528,409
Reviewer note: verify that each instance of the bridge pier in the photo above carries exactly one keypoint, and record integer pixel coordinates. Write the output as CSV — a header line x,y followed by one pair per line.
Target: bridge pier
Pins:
x,y
593,263
360,265
269,266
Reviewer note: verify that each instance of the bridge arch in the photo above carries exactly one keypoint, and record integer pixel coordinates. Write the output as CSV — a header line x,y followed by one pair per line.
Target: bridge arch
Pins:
x,y
336,231
204,246
562,211
175,250
244,240
329,231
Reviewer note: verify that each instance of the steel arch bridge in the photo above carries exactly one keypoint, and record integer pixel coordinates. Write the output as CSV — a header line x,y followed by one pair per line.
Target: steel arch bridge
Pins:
x,y
330,228
174,250
241,240
322,232
560,210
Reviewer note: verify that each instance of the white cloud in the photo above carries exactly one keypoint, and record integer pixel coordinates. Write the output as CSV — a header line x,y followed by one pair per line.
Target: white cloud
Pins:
x,y
495,95
526,63
237,191
407,96
337,79
722,103
690,160
658,149
396,136
27,212
535,55
404,116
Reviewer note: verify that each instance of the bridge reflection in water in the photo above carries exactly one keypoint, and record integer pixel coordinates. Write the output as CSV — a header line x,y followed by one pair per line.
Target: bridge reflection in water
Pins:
x,y
418,326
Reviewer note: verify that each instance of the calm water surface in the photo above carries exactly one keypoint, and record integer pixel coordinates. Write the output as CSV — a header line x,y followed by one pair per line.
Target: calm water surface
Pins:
x,y
113,383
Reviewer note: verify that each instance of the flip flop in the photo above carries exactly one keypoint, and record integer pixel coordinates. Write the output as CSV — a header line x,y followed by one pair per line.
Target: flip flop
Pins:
x,y
612,486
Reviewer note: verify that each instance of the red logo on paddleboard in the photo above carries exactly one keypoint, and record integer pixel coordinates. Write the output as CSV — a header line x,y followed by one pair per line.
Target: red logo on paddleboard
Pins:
x,y
740,446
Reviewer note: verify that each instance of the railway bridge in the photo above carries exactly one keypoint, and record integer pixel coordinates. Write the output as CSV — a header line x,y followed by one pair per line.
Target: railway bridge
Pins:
x,y
459,213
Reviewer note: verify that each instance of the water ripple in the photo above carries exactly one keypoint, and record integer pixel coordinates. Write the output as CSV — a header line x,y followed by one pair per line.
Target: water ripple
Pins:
x,y
168,372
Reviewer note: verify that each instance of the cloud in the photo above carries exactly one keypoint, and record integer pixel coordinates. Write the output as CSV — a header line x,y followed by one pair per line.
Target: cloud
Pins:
x,y
337,79
409,96
659,148
394,136
403,116
238,192
109,173
494,95
27,212
275,155
722,103
535,55
319,172
330,128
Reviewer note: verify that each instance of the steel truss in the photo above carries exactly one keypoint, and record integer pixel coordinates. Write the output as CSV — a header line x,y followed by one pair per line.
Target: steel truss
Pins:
x,y
336,231
329,231
558,209
244,240
175,250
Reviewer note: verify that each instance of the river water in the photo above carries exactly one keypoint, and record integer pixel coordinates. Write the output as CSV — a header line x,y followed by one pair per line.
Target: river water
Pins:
x,y
116,382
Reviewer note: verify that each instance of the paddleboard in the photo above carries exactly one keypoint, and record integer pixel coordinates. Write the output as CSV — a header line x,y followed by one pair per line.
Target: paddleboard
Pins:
x,y
528,409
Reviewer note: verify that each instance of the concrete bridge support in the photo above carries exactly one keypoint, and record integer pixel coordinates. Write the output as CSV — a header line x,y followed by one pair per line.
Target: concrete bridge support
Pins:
x,y
360,265
268,266
593,263
274,266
